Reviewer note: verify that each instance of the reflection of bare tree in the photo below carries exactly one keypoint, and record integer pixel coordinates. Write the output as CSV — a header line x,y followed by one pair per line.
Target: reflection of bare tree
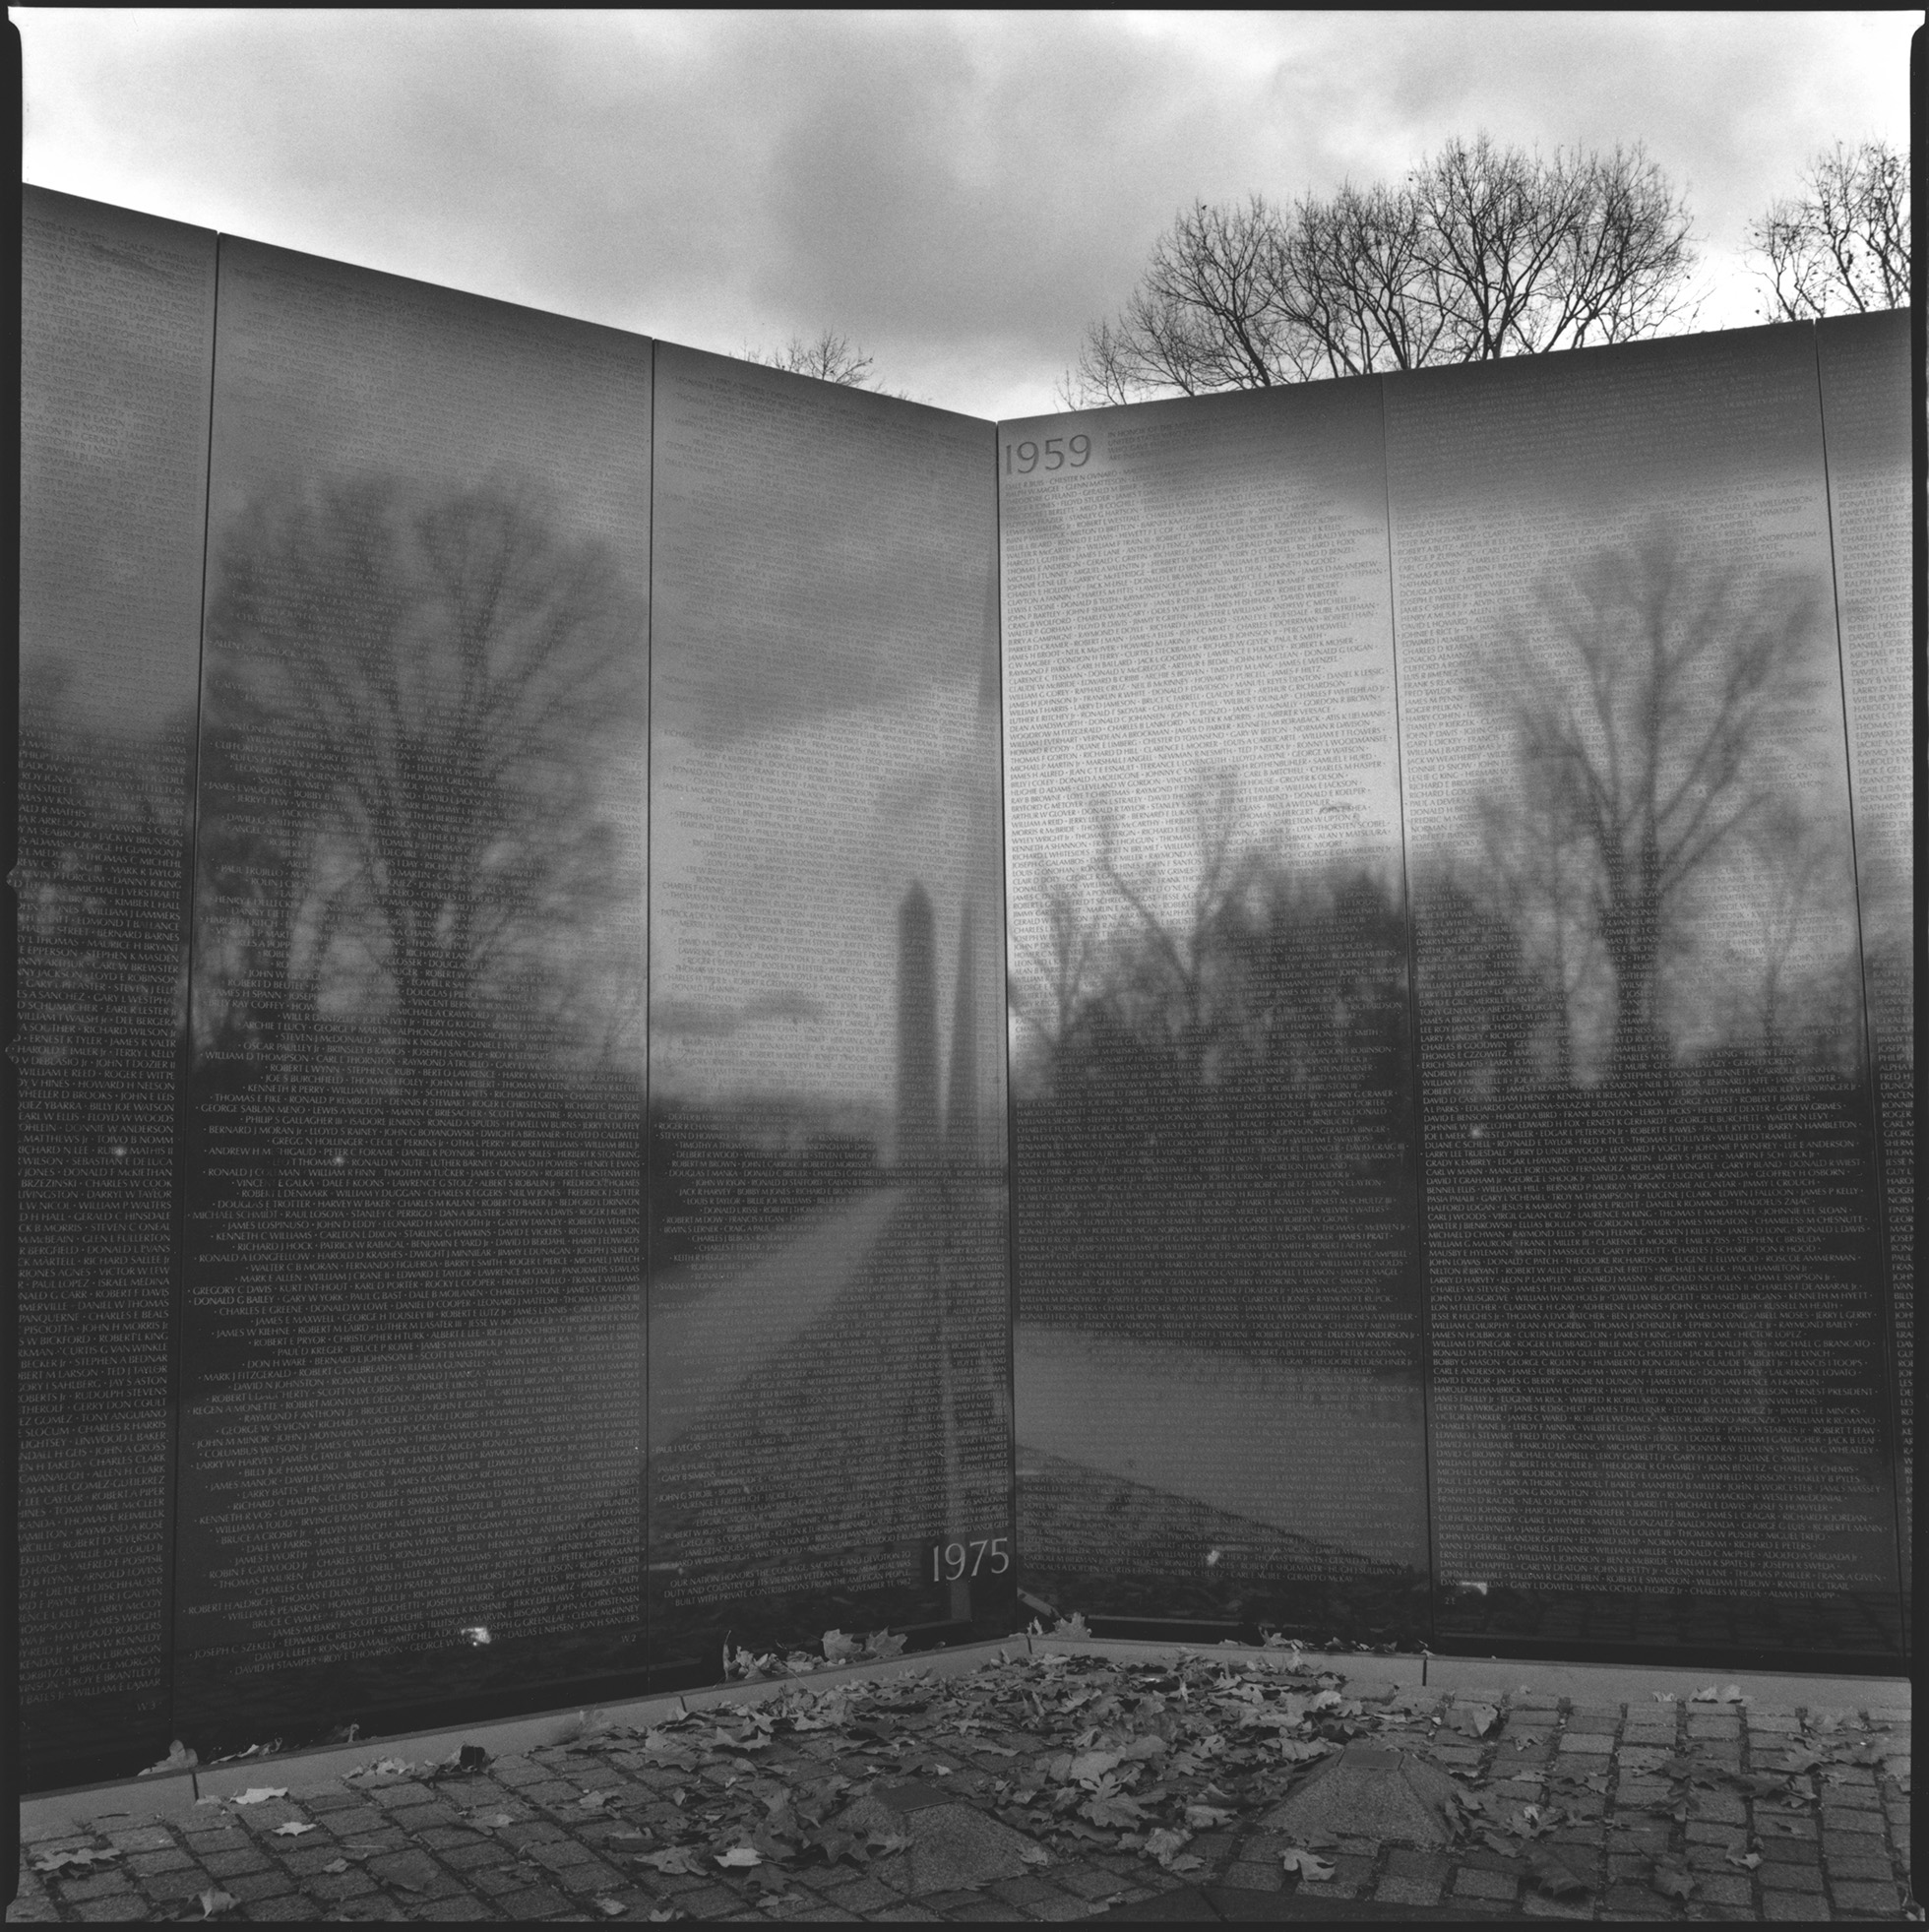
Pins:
x,y
1789,873
1214,1152
1165,973
409,710
1652,713
1062,969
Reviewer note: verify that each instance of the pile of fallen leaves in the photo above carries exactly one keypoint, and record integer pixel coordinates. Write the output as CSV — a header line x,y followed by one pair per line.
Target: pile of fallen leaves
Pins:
x,y
1089,1751
1072,1751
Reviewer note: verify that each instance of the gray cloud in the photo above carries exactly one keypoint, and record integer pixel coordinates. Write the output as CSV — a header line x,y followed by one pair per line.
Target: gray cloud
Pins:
x,y
960,193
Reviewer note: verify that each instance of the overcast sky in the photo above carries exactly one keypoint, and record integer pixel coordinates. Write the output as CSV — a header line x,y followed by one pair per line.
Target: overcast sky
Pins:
x,y
959,194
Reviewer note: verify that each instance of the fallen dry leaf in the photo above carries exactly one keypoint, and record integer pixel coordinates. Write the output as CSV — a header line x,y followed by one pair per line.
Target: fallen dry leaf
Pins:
x,y
260,1794
1306,1864
54,1861
1673,1879
1553,1875
676,1862
293,1829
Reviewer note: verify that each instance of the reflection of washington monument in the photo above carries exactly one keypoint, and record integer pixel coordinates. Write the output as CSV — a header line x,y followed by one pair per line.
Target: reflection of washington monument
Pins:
x,y
918,1148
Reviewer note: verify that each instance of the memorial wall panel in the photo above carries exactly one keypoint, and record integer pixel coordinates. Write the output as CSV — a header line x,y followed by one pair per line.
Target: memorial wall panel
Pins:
x,y
116,351
1865,385
828,1341
410,1467
1218,1341
1659,1400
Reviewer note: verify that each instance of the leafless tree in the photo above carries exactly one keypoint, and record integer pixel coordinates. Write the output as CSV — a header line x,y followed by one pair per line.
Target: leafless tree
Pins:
x,y
1482,252
829,358
1650,713
1842,246
1205,316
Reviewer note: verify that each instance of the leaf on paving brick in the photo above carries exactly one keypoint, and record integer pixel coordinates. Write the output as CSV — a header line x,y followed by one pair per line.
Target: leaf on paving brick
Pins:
x,y
260,1794
610,1907
336,1866
676,1862
83,1858
662,1915
1185,1862
1673,1879
1298,1750
882,1644
1163,1844
1724,1694
215,1900
178,1758
1553,1875
885,1843
1034,1854
293,1829
1206,1817
596,1800
1473,1720
1091,1766
838,1647
1306,1864
1747,1860
1112,1810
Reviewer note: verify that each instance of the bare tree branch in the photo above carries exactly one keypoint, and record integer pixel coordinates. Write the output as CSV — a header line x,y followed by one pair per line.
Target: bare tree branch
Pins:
x,y
1482,252
1842,246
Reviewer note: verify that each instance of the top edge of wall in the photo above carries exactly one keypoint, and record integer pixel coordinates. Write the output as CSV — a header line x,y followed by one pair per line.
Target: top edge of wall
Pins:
x,y
1219,400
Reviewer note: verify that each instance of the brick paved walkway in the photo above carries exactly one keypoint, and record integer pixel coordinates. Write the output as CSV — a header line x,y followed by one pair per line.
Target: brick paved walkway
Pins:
x,y
967,1799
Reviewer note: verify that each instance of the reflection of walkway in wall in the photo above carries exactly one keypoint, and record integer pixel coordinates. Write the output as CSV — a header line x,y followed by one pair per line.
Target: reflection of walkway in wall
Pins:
x,y
881,1422
1333,1456
699,1352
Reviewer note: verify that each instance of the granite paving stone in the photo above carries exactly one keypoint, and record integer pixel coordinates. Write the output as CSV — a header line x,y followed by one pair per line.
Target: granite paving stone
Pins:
x,y
1850,1818
417,1847
1862,1895
102,1885
1723,1888
1635,1901
1794,1906
540,1902
173,1860
230,1865
1394,1891
165,1887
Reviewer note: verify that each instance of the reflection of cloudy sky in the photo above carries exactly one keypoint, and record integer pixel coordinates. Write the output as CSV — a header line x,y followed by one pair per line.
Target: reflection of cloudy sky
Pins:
x,y
824,616
780,860
113,466
1208,593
